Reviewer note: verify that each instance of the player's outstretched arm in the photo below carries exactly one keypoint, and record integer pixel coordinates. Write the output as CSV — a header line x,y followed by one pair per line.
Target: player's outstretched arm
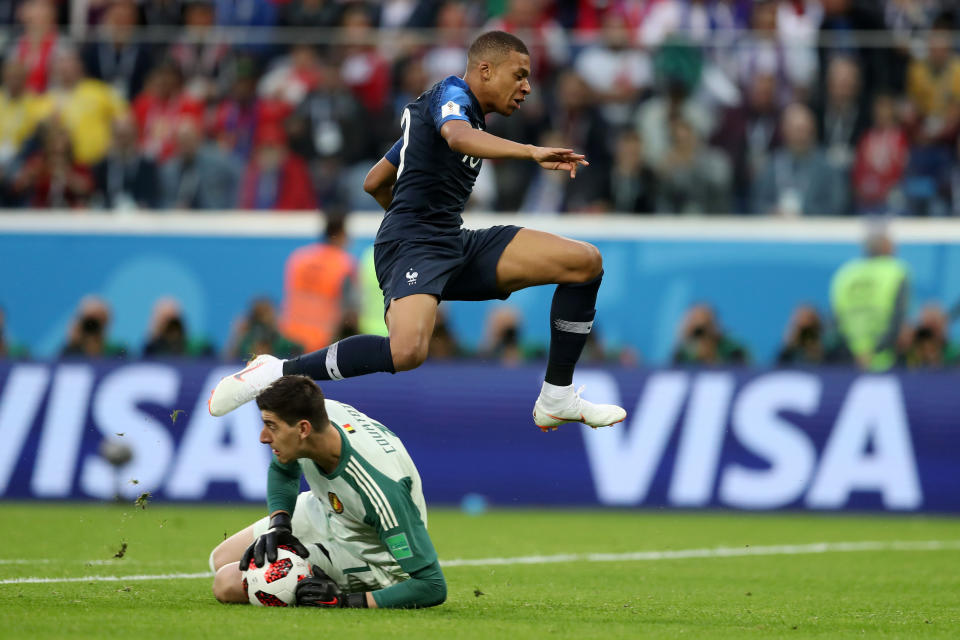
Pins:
x,y
379,182
463,138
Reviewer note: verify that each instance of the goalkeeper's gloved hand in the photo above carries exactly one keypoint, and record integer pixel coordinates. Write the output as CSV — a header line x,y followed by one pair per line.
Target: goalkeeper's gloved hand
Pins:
x,y
321,591
265,547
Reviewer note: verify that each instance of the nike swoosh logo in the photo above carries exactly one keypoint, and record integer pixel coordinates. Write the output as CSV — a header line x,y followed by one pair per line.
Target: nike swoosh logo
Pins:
x,y
239,376
331,603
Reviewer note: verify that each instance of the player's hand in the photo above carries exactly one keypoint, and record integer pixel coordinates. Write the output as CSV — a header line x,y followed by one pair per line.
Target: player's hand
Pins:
x,y
556,159
265,547
320,590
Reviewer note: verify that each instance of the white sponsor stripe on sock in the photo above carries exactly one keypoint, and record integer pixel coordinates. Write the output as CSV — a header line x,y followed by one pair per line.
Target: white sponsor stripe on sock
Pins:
x,y
332,369
633,556
572,327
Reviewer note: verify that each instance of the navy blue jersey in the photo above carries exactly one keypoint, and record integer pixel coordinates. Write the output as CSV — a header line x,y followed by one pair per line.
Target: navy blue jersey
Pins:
x,y
433,181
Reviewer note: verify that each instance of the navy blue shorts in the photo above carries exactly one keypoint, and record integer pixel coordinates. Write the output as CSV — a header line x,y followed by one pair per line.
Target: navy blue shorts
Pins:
x,y
450,267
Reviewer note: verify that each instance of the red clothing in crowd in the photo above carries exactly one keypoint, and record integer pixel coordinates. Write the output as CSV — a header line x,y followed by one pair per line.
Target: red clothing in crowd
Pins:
x,y
881,159
294,189
157,120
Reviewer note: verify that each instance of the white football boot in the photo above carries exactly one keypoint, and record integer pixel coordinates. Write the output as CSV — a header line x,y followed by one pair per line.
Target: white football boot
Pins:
x,y
550,413
244,385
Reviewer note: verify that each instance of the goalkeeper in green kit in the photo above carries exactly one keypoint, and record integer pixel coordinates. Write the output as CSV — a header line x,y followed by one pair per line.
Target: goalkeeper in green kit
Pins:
x,y
362,525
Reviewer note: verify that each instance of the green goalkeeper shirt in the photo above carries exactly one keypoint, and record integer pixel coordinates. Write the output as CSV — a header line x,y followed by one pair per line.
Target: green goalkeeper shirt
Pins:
x,y
375,505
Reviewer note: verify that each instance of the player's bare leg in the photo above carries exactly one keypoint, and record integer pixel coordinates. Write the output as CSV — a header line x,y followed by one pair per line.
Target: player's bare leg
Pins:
x,y
225,562
410,322
534,258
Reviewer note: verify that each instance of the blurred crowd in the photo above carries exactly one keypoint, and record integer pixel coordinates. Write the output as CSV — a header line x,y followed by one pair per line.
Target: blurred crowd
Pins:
x,y
329,295
789,107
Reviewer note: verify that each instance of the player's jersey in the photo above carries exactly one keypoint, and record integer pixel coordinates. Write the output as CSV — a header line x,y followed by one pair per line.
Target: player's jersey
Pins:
x,y
373,499
433,181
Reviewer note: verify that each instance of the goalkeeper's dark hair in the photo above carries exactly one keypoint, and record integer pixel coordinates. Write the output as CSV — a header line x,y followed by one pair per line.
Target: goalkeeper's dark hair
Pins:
x,y
295,398
494,46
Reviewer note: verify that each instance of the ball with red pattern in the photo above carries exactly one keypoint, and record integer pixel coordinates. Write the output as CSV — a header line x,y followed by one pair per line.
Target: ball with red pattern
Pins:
x,y
275,583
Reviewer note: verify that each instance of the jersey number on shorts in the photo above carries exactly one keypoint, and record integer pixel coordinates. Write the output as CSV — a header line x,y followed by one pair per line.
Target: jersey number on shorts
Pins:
x,y
405,125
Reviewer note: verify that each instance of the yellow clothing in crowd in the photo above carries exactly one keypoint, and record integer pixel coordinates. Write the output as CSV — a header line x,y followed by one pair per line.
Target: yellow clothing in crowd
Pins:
x,y
933,91
19,118
88,111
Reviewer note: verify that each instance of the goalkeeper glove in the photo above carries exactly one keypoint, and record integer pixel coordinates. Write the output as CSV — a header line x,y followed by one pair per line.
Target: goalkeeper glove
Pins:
x,y
321,591
280,533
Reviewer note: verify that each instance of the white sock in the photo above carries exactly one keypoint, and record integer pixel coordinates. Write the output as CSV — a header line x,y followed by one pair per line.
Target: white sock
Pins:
x,y
555,393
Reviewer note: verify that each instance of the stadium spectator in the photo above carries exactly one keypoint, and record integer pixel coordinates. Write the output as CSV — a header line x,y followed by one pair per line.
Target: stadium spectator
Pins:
x,y
749,133
329,123
257,332
579,122
531,20
882,156
443,343
87,107
905,20
703,342
203,61
126,179
840,29
841,115
240,114
447,55
760,50
115,56
163,13
310,13
953,183
88,333
698,21
799,180
363,69
8,348
869,298
692,178
678,68
617,73
169,336
276,179
51,177
320,297
806,342
503,341
798,22
933,84
929,346
160,107
199,176
290,78
21,111
632,184
38,45
926,178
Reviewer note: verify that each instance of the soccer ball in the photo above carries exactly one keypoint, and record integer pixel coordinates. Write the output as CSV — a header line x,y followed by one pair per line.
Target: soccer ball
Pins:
x,y
275,583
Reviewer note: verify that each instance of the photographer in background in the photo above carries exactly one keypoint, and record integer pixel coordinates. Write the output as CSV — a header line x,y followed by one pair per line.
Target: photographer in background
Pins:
x,y
9,349
929,345
258,333
702,342
806,341
168,334
87,336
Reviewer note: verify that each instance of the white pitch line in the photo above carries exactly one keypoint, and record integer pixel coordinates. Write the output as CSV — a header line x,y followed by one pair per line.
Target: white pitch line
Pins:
x,y
678,554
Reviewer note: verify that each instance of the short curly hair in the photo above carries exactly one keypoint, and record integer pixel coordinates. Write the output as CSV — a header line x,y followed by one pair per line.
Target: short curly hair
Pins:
x,y
494,46
295,398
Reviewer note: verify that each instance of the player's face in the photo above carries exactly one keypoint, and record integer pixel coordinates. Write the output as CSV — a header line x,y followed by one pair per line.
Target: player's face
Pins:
x,y
283,439
510,83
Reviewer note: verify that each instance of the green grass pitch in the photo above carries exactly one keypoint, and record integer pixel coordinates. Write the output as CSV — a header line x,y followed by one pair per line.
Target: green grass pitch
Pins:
x,y
885,593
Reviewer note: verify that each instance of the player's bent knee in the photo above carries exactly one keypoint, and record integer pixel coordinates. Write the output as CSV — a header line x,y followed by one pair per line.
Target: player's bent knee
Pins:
x,y
227,586
409,355
592,262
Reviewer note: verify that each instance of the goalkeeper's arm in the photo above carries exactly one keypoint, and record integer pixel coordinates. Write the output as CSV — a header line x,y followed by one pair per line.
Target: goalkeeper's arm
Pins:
x,y
425,588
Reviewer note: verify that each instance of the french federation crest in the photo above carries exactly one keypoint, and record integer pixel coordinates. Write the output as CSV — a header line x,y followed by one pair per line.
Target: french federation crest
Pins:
x,y
335,503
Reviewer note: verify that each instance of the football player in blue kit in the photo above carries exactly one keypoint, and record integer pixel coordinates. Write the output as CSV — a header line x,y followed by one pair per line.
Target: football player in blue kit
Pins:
x,y
423,255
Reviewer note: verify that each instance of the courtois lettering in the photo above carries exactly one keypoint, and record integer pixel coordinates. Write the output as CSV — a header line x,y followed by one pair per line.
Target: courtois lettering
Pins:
x,y
747,440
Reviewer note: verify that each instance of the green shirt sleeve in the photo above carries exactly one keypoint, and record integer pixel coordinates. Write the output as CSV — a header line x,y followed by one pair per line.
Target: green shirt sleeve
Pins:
x,y
425,588
283,486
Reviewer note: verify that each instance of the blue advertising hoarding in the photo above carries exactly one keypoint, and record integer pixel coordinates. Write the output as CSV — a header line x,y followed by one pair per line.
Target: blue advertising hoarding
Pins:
x,y
824,440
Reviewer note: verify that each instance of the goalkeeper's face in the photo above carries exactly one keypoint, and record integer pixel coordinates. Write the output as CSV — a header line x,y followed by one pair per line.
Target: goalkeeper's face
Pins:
x,y
282,438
